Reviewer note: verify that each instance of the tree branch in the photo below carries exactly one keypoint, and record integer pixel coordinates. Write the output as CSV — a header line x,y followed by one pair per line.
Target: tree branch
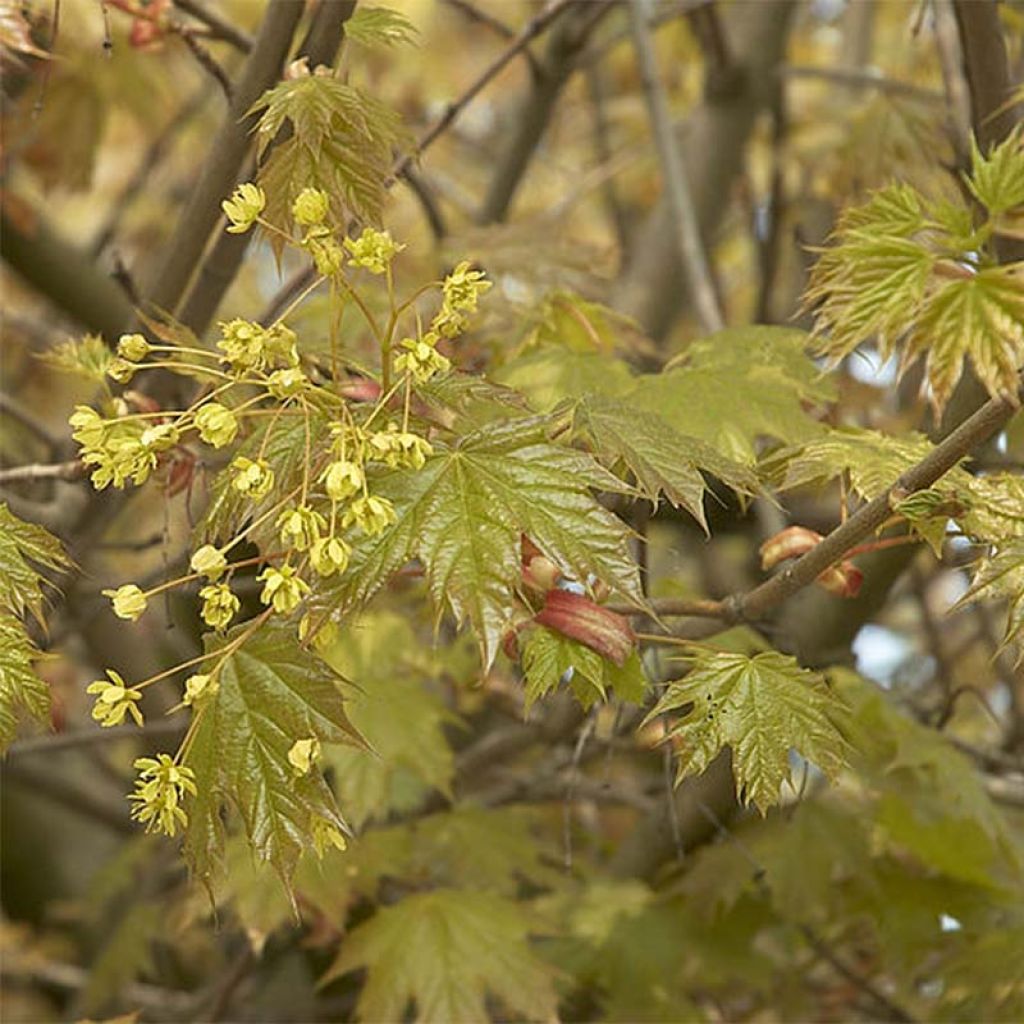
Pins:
x,y
690,246
219,27
227,152
72,470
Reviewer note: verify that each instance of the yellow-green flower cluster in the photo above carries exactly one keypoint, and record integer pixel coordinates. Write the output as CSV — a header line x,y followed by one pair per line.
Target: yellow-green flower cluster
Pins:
x,y
253,479
461,292
420,358
326,835
304,754
244,207
114,699
159,790
220,605
217,424
311,207
119,449
248,346
199,688
283,588
373,250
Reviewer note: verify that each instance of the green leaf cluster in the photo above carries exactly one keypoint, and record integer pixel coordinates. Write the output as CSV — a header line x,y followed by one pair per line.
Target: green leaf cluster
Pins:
x,y
328,135
917,277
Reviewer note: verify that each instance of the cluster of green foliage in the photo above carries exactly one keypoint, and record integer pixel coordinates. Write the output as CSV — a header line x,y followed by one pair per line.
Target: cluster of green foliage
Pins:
x,y
390,521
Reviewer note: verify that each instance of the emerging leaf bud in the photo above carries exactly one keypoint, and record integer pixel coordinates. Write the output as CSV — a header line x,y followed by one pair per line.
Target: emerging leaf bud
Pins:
x,y
578,617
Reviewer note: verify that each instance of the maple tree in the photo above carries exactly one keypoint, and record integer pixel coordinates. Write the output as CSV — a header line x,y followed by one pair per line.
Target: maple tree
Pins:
x,y
439,584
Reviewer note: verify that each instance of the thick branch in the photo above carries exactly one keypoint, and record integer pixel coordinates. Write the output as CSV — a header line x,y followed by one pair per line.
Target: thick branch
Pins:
x,y
227,152
64,274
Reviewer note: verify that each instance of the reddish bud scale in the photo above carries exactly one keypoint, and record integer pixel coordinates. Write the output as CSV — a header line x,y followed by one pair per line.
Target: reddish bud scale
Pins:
x,y
843,579
578,617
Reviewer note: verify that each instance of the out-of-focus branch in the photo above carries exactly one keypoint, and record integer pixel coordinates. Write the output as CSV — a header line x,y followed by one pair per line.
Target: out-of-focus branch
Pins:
x,y
476,14
226,154
990,86
531,120
690,246
713,144
65,275
10,406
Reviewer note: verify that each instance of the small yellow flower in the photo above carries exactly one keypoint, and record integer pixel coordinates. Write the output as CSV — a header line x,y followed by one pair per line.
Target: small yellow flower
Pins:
x,y
284,384
253,479
199,688
282,588
217,424
219,605
463,287
129,601
281,345
371,514
133,347
326,835
304,754
114,699
310,207
328,256
329,555
398,448
373,250
244,206
342,479
121,370
159,789
421,359
87,426
243,344
160,437
300,527
209,561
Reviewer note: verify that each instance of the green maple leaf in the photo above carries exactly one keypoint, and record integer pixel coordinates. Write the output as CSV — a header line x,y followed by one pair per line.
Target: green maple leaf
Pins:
x,y
737,386
551,373
997,180
341,141
272,692
464,513
446,951
21,689
663,460
23,548
401,719
979,316
761,707
548,657
22,545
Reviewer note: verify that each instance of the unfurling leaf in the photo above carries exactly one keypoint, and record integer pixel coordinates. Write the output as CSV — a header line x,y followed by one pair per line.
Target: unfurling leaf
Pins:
x,y
761,707
842,579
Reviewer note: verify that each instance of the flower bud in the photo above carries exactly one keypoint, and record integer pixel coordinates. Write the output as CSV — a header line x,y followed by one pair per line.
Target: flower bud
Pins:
x,y
217,424
129,601
310,207
133,347
209,561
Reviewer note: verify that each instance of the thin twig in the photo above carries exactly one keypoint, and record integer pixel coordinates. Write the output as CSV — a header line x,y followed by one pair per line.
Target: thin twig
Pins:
x,y
219,27
854,78
78,738
207,61
475,14
533,28
691,245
